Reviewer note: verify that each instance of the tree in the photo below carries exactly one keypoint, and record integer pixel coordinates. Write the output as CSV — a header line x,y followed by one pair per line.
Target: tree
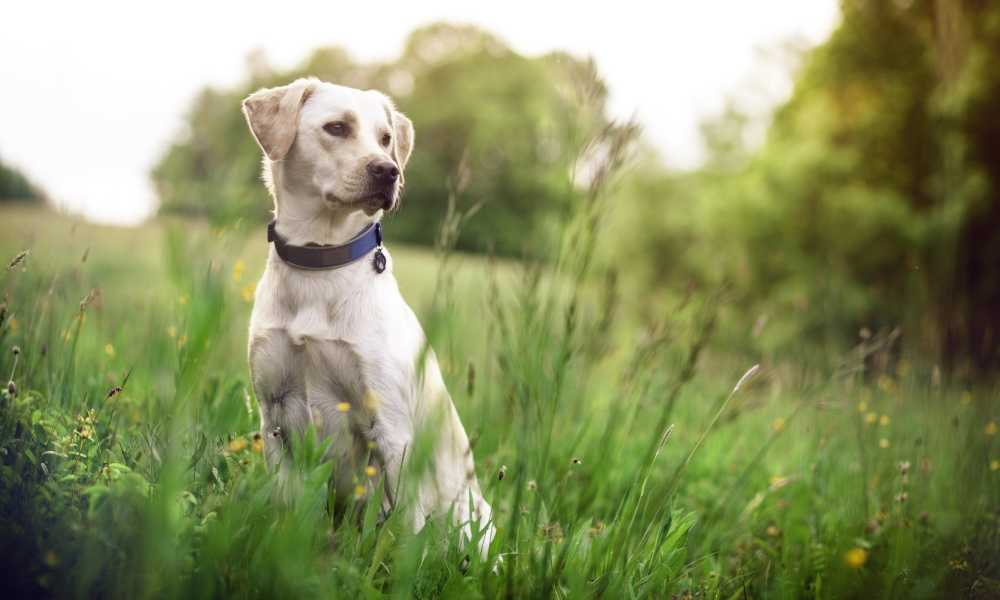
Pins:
x,y
16,187
875,200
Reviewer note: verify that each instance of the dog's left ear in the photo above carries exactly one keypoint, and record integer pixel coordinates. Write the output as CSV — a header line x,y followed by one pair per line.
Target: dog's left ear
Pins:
x,y
273,116
403,136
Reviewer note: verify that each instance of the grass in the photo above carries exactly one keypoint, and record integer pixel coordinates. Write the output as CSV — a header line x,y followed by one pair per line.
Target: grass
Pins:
x,y
631,467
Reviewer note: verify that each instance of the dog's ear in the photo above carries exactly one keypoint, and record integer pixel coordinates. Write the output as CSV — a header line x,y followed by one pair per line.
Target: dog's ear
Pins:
x,y
402,131
403,136
273,115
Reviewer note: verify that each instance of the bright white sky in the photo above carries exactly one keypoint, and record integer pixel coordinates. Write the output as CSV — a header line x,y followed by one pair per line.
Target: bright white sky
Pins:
x,y
93,91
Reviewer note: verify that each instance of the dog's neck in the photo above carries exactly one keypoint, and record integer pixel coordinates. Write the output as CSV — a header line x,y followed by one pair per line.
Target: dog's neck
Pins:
x,y
325,226
304,217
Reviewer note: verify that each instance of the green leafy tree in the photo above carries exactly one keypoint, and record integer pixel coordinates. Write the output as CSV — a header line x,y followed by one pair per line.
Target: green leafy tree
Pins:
x,y
16,187
873,202
877,197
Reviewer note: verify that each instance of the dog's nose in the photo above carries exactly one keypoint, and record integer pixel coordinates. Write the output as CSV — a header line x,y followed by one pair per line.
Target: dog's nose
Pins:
x,y
383,171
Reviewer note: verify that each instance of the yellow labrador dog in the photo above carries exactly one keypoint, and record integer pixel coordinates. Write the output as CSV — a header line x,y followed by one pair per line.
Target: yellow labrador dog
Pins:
x,y
332,342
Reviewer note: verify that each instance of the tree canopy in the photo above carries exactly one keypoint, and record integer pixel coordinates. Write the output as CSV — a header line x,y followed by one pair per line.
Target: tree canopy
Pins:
x,y
875,199
16,187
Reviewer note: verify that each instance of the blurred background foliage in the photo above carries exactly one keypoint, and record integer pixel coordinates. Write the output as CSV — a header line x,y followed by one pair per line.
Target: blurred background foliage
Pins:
x,y
872,203
16,187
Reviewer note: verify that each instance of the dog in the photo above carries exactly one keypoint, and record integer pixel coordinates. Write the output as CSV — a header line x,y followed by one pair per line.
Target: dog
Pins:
x,y
334,345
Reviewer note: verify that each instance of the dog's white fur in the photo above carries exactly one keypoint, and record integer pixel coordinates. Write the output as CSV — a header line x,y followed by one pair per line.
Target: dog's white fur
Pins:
x,y
345,335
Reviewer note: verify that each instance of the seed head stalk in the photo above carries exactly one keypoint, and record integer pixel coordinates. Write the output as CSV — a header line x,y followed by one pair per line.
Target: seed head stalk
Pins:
x,y
751,372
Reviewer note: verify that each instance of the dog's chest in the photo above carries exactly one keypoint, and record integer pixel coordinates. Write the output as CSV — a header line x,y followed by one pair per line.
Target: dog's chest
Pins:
x,y
353,327
324,311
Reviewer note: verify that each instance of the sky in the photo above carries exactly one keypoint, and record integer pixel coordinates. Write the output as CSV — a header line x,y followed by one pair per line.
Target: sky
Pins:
x,y
93,92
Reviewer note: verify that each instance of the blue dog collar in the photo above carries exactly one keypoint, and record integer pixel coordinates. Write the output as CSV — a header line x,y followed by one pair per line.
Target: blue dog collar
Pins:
x,y
315,257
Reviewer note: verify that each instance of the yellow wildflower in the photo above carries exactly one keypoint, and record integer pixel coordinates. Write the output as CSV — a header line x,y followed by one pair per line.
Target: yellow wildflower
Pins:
x,y
871,418
238,445
991,428
182,300
109,350
856,557
371,401
359,491
238,269
773,531
258,443
248,291
778,482
371,471
883,420
862,406
883,443
181,341
172,332
343,406
778,425
995,465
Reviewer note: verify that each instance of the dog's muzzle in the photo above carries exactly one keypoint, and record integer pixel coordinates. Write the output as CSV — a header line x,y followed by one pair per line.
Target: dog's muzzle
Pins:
x,y
384,176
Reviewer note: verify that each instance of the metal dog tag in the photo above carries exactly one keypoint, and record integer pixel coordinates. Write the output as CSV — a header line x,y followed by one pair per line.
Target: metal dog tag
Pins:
x,y
379,261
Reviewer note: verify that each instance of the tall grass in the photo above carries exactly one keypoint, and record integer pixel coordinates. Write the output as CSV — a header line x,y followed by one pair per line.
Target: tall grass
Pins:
x,y
620,462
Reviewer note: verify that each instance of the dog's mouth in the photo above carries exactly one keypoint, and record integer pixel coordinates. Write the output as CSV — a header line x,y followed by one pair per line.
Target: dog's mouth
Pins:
x,y
381,200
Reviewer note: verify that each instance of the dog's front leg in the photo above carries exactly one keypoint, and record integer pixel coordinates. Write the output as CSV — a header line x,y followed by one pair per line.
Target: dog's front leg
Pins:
x,y
280,390
456,475
426,453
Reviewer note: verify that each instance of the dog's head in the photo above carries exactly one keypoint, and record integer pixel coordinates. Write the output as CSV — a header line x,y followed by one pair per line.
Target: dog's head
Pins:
x,y
340,147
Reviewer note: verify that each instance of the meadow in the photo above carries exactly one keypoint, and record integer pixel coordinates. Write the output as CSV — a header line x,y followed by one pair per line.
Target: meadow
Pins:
x,y
622,460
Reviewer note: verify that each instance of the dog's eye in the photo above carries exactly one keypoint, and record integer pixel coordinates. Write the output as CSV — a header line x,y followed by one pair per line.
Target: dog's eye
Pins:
x,y
337,129
386,138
